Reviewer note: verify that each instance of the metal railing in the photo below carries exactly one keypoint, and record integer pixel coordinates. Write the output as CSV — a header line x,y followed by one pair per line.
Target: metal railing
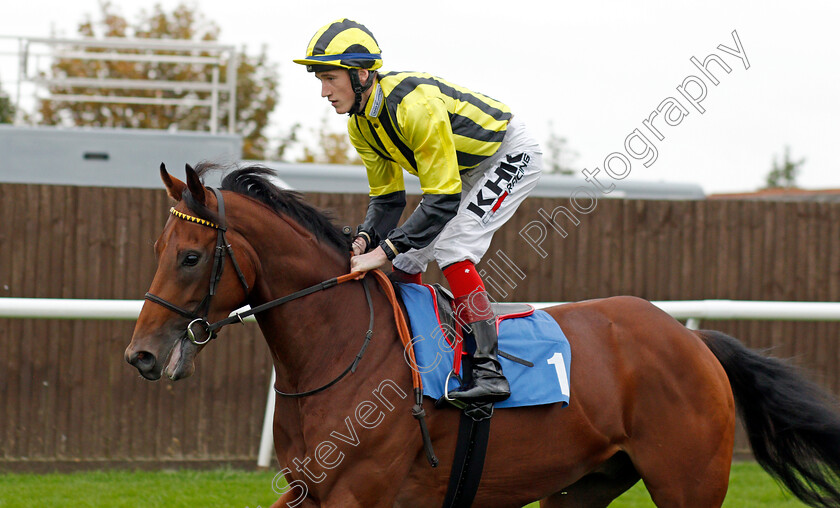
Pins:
x,y
65,308
30,51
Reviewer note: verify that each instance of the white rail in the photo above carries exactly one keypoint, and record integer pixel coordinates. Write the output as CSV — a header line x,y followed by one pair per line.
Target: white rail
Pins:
x,y
68,308
744,310
61,308
691,310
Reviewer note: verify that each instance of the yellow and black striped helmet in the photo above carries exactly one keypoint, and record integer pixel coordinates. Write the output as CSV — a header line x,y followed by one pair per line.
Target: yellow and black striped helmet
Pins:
x,y
342,43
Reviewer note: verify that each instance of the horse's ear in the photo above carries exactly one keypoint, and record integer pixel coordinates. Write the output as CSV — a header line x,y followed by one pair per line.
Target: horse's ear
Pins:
x,y
174,187
195,185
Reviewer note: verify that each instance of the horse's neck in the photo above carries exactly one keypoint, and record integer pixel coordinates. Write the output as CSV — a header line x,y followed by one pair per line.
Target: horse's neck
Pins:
x,y
289,257
306,336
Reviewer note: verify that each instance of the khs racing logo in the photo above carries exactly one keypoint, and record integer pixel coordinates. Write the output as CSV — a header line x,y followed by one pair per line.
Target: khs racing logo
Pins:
x,y
498,186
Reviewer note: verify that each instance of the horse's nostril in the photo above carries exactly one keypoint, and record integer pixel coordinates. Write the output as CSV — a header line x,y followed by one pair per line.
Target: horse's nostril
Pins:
x,y
143,360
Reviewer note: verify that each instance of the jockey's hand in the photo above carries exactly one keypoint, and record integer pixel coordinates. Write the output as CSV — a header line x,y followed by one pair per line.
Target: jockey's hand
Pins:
x,y
359,245
370,261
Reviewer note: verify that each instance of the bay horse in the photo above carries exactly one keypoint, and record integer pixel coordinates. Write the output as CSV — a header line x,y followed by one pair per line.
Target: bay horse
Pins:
x,y
650,399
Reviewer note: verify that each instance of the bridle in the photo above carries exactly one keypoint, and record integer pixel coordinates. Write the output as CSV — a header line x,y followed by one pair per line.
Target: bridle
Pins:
x,y
200,313
223,249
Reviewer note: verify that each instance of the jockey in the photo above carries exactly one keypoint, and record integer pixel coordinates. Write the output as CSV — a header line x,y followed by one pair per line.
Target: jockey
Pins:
x,y
476,163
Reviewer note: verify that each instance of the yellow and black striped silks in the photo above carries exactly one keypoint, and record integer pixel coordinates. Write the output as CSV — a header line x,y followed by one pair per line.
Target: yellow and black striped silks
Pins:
x,y
428,126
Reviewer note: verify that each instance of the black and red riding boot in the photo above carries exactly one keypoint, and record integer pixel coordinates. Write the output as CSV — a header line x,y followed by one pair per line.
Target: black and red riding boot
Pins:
x,y
488,383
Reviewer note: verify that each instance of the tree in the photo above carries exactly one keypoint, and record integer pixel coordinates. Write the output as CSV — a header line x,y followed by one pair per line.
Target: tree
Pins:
x,y
558,157
333,148
784,175
256,80
7,109
287,141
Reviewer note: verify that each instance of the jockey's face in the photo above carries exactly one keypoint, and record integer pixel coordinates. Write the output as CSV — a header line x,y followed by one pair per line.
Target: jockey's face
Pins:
x,y
336,87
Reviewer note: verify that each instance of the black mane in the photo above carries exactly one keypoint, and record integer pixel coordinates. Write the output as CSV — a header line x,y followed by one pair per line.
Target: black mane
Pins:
x,y
253,181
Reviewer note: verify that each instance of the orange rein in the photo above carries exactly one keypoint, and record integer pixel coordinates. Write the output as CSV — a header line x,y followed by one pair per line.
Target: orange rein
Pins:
x,y
405,337
399,317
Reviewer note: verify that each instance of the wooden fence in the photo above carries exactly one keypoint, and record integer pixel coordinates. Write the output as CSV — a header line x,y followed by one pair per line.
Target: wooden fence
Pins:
x,y
69,400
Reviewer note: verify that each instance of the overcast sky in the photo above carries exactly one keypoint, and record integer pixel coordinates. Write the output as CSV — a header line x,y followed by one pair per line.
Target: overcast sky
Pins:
x,y
595,70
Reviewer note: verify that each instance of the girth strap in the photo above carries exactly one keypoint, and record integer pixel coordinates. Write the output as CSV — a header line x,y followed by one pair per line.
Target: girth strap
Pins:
x,y
468,463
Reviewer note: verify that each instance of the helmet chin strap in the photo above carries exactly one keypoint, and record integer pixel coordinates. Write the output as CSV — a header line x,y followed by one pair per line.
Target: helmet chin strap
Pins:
x,y
359,89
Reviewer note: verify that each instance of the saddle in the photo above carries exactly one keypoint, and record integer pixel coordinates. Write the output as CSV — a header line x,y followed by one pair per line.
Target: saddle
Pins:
x,y
474,427
452,328
445,301
535,335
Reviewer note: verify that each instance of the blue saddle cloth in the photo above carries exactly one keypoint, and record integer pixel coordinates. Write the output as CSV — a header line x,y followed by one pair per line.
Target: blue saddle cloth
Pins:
x,y
535,337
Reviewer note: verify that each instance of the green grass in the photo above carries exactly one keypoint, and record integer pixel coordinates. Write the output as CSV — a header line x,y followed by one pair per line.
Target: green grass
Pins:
x,y
749,487
122,489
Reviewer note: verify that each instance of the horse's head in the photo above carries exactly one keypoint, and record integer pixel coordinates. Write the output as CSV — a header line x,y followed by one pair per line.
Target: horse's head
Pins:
x,y
197,281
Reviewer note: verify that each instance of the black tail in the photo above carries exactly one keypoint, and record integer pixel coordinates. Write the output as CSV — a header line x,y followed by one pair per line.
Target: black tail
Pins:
x,y
793,425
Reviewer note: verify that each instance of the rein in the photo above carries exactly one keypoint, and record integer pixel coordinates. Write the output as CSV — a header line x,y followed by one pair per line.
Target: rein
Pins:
x,y
350,368
199,315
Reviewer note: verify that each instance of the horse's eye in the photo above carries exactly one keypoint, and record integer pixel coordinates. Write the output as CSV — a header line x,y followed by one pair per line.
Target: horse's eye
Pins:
x,y
190,260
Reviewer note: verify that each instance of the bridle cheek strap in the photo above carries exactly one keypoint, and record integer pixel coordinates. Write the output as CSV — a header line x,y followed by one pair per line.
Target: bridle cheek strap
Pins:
x,y
223,249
